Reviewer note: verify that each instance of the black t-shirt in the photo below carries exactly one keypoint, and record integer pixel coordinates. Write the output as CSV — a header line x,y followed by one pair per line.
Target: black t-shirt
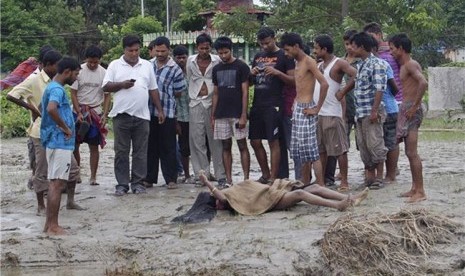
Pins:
x,y
228,77
268,89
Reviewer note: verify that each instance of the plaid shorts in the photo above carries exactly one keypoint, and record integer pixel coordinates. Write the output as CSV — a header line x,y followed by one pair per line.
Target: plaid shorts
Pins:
x,y
304,144
226,128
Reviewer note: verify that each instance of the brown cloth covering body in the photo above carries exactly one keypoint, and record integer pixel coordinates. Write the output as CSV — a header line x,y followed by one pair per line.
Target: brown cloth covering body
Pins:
x,y
253,198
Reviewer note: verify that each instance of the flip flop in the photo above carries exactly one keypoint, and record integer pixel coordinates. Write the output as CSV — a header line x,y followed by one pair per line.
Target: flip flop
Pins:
x,y
172,185
376,185
343,189
263,180
93,183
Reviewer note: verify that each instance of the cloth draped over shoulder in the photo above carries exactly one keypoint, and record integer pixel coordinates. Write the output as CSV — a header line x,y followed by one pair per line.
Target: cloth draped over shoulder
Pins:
x,y
253,198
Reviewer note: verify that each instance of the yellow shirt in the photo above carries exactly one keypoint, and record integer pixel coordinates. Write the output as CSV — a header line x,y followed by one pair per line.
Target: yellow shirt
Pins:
x,y
31,91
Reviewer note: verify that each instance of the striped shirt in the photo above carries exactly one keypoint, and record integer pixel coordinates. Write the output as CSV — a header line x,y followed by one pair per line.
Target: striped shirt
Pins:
x,y
170,80
182,108
371,78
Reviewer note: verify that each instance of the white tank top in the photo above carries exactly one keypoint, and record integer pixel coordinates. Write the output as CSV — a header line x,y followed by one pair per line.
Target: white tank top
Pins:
x,y
331,106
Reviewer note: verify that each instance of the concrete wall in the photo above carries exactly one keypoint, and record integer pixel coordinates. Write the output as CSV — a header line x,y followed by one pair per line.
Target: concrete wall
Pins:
x,y
446,87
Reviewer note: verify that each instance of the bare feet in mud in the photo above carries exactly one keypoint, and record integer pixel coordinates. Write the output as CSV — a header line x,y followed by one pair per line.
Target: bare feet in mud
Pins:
x,y
407,194
417,197
74,206
55,230
344,204
358,198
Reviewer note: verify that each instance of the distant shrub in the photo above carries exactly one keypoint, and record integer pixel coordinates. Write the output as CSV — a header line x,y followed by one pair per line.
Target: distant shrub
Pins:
x,y
14,120
453,64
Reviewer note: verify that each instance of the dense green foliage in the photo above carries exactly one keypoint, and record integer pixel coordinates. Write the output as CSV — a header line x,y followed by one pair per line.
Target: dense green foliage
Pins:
x,y
14,120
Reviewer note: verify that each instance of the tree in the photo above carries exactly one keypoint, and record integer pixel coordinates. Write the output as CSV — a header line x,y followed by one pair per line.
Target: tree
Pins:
x,y
189,18
27,25
233,24
113,35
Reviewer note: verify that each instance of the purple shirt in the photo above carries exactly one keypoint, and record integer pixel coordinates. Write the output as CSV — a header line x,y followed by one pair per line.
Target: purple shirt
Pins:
x,y
384,53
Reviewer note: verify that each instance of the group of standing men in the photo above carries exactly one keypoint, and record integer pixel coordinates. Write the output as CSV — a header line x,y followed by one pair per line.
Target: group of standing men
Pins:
x,y
299,104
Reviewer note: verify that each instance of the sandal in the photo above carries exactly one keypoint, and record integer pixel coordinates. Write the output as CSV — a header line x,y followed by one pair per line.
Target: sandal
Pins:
x,y
172,186
264,180
376,185
93,183
343,189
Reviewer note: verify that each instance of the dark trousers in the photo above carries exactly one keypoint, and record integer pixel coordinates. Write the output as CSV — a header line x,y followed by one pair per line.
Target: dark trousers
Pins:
x,y
130,130
284,140
162,149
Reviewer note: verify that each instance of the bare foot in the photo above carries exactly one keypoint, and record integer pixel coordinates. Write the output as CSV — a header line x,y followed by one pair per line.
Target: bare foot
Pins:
x,y
343,204
56,230
41,211
74,206
407,194
417,197
361,196
202,177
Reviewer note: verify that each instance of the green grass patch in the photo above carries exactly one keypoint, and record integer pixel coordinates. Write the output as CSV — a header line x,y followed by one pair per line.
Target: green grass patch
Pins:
x,y
441,136
442,123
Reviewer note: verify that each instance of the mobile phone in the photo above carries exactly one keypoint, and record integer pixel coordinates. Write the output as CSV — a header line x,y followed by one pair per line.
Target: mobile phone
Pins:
x,y
132,80
237,125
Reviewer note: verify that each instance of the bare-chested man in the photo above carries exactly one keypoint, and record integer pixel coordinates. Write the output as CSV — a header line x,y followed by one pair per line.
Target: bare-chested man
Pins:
x,y
410,114
332,137
305,112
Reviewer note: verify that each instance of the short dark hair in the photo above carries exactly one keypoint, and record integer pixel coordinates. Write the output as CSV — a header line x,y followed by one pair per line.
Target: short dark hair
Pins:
x,y
42,51
68,63
363,39
161,40
402,40
374,44
348,34
202,38
93,52
51,58
223,42
373,27
265,32
291,39
180,50
325,41
130,40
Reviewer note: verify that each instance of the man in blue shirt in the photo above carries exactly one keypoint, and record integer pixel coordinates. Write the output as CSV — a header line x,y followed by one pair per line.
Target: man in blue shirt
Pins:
x,y
58,136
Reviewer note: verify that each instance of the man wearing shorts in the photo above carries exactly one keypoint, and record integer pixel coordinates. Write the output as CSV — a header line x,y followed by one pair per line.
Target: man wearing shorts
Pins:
x,y
410,113
57,135
370,84
271,69
229,109
332,138
88,97
28,94
305,115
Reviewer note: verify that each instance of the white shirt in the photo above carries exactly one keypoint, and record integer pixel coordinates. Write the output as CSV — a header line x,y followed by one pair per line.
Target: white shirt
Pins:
x,y
331,106
196,79
135,100
89,87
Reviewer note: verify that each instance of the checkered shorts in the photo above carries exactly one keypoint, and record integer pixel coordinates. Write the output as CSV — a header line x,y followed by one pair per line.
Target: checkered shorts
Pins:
x,y
226,128
304,144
